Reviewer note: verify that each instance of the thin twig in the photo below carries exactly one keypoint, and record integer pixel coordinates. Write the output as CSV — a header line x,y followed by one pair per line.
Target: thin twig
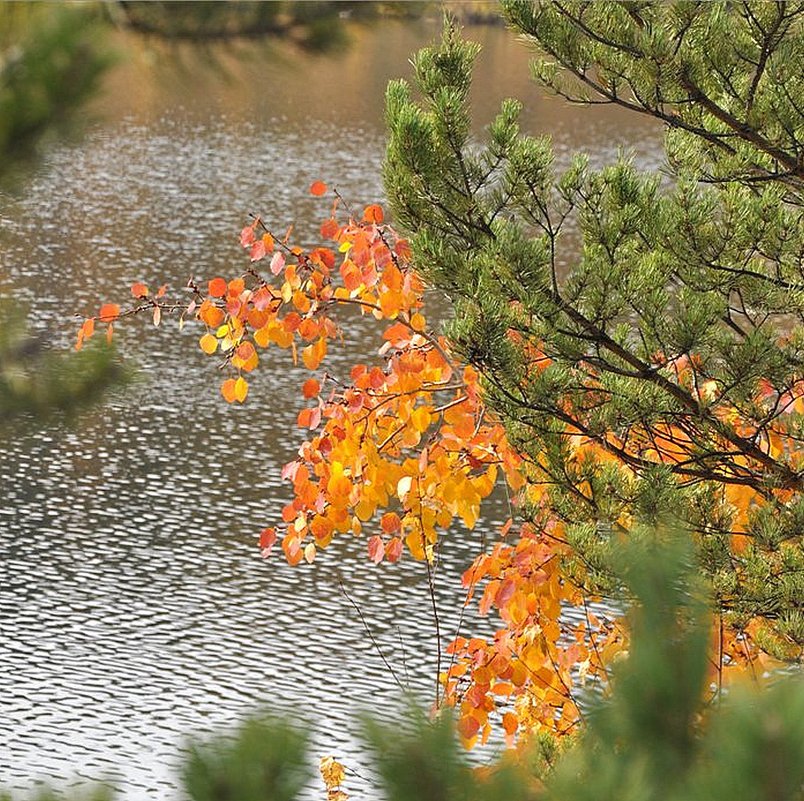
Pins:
x,y
370,633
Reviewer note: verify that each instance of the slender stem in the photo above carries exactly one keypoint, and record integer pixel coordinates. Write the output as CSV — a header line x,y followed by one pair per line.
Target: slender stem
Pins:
x,y
370,633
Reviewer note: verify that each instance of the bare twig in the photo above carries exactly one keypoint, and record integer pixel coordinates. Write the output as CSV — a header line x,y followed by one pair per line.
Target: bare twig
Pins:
x,y
370,633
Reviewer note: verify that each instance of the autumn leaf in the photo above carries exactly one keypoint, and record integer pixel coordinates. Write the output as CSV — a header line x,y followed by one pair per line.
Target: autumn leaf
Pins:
x,y
318,188
258,250
311,388
393,550
402,449
330,228
217,287
109,312
247,236
228,390
240,389
333,773
373,214
376,549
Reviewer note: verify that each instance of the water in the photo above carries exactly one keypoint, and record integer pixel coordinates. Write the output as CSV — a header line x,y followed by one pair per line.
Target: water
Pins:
x,y
135,610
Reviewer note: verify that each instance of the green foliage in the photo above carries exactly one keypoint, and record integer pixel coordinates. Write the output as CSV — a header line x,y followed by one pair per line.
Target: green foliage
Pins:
x,y
50,65
672,338
654,739
36,382
265,760
97,794
316,24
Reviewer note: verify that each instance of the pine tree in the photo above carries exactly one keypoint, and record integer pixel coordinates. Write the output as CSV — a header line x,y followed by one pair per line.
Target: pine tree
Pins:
x,y
656,372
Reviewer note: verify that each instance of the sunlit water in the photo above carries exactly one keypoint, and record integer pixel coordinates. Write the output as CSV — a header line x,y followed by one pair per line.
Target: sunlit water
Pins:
x,y
135,610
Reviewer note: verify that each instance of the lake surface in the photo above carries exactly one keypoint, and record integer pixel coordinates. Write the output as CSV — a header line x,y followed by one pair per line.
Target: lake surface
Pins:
x,y
135,610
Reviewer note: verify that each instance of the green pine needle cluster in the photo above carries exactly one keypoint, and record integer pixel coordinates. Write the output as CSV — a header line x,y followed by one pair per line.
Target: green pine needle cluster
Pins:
x,y
619,306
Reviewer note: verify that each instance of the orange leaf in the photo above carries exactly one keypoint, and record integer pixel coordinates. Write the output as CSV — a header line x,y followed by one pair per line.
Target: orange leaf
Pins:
x,y
468,727
318,188
245,351
313,354
510,722
390,522
311,388
139,290
330,228
373,214
228,390
211,315
217,287
109,312
292,548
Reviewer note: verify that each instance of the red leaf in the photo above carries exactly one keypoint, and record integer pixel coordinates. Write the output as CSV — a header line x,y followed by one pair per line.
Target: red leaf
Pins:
x,y
267,537
393,551
247,236
318,188
258,250
289,470
330,228
277,263
506,592
376,549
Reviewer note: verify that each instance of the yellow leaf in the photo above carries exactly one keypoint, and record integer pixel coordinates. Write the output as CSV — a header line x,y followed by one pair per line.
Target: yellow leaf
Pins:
x,y
417,322
241,389
263,336
332,772
420,419
208,343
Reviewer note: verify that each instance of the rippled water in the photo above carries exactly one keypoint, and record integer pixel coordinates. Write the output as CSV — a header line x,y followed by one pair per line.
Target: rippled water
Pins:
x,y
135,610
